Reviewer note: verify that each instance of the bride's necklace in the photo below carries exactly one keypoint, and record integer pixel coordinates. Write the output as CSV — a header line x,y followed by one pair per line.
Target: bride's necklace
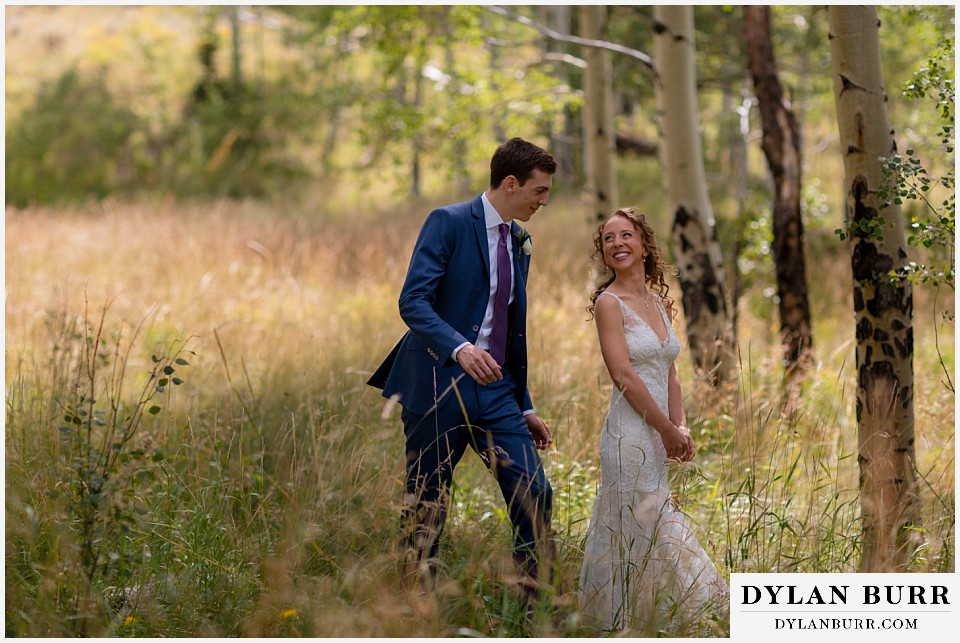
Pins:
x,y
645,300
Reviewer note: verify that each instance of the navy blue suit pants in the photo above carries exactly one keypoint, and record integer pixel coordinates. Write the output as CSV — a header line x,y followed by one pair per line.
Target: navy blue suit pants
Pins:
x,y
487,419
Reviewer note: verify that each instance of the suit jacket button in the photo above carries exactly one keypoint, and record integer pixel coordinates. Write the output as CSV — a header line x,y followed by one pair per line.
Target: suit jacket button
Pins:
x,y
475,327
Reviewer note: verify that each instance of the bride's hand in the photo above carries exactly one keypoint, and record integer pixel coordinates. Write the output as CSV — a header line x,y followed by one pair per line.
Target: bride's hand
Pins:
x,y
691,449
676,444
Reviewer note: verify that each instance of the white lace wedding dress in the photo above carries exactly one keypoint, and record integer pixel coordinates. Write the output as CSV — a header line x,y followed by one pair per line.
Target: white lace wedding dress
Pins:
x,y
642,565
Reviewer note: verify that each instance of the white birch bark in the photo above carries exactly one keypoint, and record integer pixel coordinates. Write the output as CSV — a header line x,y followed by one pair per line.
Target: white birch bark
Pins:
x,y
883,306
698,256
599,137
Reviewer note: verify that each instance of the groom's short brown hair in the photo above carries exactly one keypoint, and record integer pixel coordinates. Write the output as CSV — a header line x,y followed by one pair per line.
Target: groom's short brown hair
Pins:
x,y
519,158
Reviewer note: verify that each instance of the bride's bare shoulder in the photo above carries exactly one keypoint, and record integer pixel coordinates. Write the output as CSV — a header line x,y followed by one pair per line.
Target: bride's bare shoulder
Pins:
x,y
607,306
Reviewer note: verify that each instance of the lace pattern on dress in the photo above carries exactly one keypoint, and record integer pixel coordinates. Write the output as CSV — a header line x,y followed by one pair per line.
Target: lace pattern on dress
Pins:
x,y
642,560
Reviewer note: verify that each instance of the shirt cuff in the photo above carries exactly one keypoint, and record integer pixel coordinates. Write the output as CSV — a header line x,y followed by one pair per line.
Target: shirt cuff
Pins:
x,y
457,350
528,412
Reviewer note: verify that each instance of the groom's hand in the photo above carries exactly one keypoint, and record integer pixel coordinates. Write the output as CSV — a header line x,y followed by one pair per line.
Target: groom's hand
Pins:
x,y
542,437
479,364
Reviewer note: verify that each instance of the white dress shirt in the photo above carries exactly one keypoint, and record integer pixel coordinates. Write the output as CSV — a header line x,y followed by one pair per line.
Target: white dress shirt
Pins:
x,y
492,220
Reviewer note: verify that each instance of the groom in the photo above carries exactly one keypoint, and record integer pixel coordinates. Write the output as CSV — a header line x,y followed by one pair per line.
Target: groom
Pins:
x,y
460,372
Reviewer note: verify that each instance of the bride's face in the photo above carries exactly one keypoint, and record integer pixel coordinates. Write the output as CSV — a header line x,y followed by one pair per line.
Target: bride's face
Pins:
x,y
622,245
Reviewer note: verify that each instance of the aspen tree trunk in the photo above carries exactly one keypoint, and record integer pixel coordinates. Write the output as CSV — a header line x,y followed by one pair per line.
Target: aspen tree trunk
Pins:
x,y
496,67
464,182
883,306
781,146
599,138
415,142
698,256
559,19
233,13
741,163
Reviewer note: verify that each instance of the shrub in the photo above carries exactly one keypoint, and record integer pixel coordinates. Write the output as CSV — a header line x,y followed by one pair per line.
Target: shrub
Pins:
x,y
73,143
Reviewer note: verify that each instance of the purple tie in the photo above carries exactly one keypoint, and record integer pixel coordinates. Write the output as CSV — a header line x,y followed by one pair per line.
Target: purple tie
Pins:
x,y
498,336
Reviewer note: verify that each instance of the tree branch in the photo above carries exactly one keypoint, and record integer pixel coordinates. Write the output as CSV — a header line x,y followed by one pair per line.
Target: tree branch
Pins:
x,y
576,40
569,59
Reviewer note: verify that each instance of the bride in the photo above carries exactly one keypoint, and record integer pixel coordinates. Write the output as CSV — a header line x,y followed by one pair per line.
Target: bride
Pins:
x,y
642,567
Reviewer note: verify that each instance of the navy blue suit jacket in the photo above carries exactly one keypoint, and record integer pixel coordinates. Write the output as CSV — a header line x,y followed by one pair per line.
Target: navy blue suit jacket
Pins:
x,y
443,301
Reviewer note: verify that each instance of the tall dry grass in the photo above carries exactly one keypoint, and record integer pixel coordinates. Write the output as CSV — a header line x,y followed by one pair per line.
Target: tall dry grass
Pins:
x,y
267,501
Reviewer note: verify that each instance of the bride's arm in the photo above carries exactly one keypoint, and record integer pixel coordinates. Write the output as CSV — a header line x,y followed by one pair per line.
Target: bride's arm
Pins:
x,y
616,357
677,416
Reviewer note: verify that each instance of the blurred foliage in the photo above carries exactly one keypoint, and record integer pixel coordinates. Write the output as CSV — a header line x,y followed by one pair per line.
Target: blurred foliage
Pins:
x,y
933,225
75,141
78,140
426,82
385,101
908,182
230,143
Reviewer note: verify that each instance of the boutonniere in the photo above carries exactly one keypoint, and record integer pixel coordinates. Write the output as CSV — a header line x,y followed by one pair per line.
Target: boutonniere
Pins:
x,y
523,238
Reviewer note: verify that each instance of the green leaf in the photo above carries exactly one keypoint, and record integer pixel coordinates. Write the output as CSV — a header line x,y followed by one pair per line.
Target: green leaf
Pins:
x,y
181,361
154,409
144,475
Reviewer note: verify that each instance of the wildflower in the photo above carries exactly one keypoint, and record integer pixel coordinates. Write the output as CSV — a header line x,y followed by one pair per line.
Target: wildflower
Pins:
x,y
288,613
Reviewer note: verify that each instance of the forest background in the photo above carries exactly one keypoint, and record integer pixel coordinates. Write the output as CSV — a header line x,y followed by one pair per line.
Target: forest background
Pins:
x,y
209,215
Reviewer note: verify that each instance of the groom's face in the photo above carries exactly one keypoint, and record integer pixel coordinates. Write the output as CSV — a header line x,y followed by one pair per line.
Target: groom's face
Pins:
x,y
524,200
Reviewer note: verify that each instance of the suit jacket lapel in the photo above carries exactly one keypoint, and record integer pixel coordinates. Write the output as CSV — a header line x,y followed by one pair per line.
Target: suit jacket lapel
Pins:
x,y
480,228
518,256
519,281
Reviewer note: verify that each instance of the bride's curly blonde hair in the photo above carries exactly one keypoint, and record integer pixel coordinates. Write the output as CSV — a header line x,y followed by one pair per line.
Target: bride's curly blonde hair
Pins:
x,y
653,264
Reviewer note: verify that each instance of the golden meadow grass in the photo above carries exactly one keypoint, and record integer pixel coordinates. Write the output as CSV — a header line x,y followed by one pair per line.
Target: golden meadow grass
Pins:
x,y
273,510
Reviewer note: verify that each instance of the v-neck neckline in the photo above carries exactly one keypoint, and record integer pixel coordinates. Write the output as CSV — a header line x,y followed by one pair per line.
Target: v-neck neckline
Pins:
x,y
666,329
